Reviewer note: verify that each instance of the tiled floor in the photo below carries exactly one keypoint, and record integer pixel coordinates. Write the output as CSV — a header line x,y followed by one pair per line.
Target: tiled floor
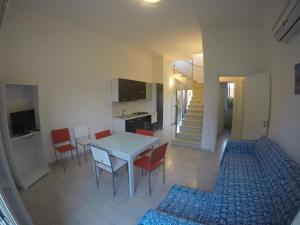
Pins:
x,y
72,198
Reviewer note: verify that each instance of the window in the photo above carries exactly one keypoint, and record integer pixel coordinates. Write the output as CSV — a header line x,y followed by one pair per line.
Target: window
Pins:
x,y
230,88
230,95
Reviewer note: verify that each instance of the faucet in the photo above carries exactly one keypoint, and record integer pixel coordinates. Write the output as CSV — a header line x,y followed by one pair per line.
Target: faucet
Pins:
x,y
123,114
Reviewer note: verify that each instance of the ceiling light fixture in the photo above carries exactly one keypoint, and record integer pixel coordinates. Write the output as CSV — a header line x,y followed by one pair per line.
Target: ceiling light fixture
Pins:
x,y
152,1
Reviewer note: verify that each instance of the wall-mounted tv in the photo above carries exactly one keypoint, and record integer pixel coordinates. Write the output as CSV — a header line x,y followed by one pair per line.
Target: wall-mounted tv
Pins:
x,y
22,122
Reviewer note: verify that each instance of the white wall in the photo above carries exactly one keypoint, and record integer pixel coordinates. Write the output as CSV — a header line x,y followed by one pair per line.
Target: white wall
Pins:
x,y
169,92
72,67
221,107
163,73
227,52
157,69
285,106
198,72
248,51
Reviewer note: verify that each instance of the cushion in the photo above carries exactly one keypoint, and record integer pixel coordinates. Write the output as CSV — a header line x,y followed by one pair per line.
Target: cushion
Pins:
x,y
161,218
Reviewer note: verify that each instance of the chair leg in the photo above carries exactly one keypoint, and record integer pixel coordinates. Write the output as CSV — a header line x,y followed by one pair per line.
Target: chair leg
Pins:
x,y
78,156
72,152
97,174
55,155
149,182
164,173
62,161
84,154
113,183
127,175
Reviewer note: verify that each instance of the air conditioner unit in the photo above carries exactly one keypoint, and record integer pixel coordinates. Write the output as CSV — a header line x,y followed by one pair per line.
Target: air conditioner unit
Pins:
x,y
288,24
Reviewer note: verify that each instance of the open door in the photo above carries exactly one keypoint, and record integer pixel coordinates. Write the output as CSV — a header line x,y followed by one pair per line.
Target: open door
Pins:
x,y
257,92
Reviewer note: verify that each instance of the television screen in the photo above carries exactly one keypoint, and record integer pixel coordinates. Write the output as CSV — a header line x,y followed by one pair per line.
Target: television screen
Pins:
x,y
22,122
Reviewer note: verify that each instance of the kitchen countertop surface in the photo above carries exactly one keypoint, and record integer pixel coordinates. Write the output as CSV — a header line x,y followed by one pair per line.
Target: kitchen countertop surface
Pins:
x,y
131,116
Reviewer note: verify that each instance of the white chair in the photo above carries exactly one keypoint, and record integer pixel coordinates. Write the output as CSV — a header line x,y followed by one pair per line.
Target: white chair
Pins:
x,y
82,137
103,161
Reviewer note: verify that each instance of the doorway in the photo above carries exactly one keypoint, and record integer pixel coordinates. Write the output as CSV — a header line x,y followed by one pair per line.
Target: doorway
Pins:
x,y
244,105
230,106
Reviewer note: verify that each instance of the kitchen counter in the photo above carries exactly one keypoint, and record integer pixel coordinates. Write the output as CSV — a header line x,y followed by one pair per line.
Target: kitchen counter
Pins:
x,y
131,116
131,122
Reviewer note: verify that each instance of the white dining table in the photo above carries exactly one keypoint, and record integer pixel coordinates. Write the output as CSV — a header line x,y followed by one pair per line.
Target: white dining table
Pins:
x,y
127,146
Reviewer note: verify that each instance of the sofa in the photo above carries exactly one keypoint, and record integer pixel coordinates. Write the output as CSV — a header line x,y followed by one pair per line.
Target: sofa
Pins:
x,y
257,184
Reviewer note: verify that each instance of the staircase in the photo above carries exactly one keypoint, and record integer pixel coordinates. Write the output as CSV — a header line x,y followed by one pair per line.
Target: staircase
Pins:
x,y
190,131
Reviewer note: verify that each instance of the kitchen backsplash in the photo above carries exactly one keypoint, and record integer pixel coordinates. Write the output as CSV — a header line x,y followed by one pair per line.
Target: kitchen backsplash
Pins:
x,y
134,106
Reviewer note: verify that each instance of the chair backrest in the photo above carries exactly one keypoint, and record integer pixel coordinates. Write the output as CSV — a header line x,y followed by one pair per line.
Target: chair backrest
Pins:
x,y
101,156
144,132
159,153
102,134
81,131
60,135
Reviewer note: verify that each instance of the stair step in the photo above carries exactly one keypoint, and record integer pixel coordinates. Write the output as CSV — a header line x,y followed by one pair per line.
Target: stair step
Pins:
x,y
196,98
189,116
187,124
196,104
189,136
195,111
195,129
190,122
196,107
198,85
181,142
200,106
197,101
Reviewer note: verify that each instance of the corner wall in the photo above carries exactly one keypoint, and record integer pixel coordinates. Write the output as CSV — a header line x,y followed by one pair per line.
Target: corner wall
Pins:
x,y
285,105
248,51
227,52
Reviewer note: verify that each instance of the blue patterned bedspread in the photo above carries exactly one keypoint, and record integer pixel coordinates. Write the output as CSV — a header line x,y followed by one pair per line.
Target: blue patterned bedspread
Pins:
x,y
258,184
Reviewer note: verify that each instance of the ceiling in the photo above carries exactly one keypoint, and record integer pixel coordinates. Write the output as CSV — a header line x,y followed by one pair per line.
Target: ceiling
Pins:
x,y
170,27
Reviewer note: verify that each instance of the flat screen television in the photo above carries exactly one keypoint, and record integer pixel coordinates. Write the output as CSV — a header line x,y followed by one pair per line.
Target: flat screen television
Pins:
x,y
22,122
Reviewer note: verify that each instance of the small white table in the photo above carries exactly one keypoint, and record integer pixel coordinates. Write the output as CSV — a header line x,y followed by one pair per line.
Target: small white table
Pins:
x,y
126,146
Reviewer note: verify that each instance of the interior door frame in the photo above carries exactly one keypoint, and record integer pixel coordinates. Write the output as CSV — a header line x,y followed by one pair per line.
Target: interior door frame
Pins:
x,y
270,99
237,113
270,104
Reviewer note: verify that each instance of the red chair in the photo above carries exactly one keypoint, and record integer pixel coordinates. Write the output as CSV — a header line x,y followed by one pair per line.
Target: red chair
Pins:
x,y
146,133
151,163
62,144
102,134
